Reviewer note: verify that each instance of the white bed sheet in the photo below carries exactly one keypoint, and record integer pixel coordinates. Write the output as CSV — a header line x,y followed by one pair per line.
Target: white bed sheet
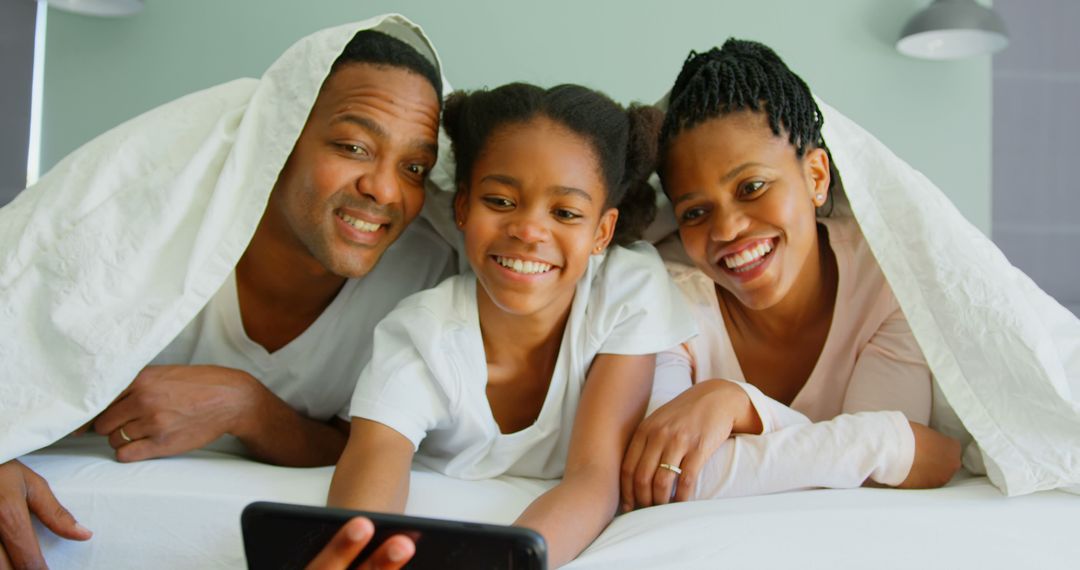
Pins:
x,y
184,513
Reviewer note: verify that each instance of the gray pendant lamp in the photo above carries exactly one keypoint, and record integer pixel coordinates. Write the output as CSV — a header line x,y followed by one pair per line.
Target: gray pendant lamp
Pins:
x,y
104,8
953,29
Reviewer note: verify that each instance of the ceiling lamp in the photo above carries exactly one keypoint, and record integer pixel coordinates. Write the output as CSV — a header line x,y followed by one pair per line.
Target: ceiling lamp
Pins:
x,y
105,8
952,29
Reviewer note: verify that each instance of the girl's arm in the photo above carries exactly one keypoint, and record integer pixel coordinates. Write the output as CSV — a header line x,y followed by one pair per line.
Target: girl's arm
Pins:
x,y
373,472
574,512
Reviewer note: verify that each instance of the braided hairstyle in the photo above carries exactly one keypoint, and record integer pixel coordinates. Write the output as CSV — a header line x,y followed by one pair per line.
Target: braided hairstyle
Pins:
x,y
624,141
744,74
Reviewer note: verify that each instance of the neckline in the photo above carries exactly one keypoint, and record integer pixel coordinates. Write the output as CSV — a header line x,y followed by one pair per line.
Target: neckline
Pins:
x,y
234,323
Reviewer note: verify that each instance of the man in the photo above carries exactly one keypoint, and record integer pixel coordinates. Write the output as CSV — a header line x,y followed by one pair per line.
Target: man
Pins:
x,y
286,295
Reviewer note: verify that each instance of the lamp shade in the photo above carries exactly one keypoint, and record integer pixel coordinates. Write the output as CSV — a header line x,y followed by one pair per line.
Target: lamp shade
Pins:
x,y
105,8
953,29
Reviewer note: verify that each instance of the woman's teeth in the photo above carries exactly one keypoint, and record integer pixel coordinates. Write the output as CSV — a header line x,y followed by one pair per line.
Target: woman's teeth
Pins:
x,y
525,267
738,261
361,225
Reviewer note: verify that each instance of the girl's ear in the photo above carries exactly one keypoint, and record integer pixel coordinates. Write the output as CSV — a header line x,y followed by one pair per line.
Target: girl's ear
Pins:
x,y
816,171
461,205
605,230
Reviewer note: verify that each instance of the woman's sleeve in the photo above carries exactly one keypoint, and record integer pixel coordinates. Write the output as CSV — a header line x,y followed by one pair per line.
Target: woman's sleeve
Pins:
x,y
398,387
891,373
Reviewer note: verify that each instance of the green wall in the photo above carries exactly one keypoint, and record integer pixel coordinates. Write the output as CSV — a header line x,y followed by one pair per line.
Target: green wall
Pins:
x,y
99,72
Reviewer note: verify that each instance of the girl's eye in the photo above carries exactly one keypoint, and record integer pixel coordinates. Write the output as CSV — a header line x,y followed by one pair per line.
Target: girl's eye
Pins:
x,y
566,215
498,202
751,188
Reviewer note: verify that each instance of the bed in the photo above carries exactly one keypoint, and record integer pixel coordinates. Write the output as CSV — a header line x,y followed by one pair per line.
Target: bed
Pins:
x,y
184,512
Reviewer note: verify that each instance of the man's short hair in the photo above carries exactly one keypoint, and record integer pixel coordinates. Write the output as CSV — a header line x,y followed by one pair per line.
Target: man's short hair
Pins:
x,y
377,48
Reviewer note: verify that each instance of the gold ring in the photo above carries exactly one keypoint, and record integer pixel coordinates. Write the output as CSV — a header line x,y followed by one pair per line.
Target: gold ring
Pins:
x,y
671,468
125,435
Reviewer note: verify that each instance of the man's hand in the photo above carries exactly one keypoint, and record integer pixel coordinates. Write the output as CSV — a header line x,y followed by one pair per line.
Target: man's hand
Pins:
x,y
344,547
170,410
937,459
23,492
683,433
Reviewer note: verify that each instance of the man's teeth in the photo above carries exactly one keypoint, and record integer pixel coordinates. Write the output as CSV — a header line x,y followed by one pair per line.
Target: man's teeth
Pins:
x,y
519,266
359,224
748,255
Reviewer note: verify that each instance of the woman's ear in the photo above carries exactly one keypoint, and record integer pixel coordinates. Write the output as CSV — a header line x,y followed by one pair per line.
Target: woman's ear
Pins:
x,y
605,230
816,170
461,205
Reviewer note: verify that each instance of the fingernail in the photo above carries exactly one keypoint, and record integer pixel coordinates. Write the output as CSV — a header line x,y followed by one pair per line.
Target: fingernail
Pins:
x,y
356,532
82,529
397,553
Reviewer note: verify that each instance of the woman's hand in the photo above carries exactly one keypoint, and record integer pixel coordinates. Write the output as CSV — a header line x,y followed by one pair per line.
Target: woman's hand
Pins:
x,y
937,459
683,433
351,539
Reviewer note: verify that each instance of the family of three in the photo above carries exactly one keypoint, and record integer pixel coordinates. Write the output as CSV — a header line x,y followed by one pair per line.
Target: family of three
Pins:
x,y
270,285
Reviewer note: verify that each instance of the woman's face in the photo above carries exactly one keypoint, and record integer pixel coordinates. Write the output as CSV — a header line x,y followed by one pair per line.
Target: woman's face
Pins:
x,y
532,214
745,204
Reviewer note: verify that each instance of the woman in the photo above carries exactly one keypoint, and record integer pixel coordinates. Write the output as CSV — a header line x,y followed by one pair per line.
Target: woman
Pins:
x,y
538,363
797,322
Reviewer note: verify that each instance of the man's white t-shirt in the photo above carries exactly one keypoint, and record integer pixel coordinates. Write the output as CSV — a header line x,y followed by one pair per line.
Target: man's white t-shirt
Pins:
x,y
428,375
316,372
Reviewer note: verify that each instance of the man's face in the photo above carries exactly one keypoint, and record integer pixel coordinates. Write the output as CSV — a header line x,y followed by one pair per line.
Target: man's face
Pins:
x,y
355,178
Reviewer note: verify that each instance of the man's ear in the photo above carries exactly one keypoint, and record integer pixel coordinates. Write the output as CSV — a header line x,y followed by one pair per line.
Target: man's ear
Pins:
x,y
605,230
816,172
461,205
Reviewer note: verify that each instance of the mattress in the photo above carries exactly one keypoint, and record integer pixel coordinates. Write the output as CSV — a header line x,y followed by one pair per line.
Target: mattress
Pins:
x,y
184,512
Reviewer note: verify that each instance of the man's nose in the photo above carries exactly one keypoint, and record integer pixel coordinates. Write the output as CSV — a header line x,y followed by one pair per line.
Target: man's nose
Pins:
x,y
381,184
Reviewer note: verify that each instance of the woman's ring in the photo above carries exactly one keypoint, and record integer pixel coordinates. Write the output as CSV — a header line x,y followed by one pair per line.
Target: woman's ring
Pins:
x,y
672,468
124,435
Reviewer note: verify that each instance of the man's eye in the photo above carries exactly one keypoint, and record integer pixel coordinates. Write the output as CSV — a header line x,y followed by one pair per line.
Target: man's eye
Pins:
x,y
417,169
353,149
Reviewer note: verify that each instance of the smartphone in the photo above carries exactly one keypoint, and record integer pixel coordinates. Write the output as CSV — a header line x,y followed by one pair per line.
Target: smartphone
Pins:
x,y
283,536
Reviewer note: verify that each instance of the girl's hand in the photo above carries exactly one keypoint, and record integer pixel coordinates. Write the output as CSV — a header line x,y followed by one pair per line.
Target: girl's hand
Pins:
x,y
351,539
683,434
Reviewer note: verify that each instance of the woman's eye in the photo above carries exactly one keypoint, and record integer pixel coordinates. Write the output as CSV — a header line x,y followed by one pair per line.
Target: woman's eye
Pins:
x,y
751,188
692,214
566,215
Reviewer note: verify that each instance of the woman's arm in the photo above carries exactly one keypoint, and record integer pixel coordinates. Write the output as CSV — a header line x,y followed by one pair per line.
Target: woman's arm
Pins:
x,y
373,472
574,512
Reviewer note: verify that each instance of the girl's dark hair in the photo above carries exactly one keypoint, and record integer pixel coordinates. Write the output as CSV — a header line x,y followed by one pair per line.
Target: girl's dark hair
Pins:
x,y
740,75
624,140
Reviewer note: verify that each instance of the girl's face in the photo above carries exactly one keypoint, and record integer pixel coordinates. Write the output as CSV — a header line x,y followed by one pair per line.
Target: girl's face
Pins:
x,y
532,214
745,204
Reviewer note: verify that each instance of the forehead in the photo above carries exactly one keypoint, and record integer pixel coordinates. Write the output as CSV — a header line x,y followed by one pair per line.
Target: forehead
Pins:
x,y
388,94
727,141
543,152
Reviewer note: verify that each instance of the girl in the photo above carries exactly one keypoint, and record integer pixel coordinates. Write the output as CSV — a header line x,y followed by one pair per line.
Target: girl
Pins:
x,y
539,362
798,324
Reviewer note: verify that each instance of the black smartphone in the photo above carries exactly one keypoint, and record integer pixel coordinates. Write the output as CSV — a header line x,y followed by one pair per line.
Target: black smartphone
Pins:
x,y
283,536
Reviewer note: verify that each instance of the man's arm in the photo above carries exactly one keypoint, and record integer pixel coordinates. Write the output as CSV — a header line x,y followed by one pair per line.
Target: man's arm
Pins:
x,y
574,512
24,493
170,410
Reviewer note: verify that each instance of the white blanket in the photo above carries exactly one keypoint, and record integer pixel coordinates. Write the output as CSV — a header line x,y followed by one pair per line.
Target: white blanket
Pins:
x,y
184,512
118,247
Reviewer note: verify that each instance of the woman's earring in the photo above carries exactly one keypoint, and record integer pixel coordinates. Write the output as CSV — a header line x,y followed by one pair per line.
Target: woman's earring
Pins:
x,y
819,199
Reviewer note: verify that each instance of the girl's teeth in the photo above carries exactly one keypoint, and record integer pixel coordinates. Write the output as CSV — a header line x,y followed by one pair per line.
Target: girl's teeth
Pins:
x,y
525,267
748,255
359,224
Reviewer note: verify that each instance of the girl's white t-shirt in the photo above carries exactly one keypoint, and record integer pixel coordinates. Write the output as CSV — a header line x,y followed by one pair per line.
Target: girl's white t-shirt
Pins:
x,y
428,374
